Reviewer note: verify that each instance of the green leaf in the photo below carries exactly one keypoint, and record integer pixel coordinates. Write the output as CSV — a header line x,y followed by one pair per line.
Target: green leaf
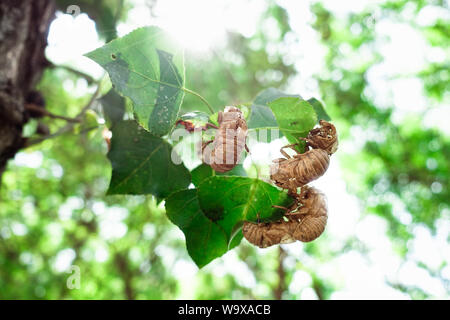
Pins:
x,y
295,117
146,67
320,110
266,96
214,118
205,240
236,239
204,171
230,200
142,163
261,116
113,107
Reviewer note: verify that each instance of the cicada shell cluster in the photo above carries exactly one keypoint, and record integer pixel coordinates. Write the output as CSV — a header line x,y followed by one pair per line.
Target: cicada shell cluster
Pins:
x,y
306,219
223,153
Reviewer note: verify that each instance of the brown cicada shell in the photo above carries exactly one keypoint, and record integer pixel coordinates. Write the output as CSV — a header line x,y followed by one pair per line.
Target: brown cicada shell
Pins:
x,y
291,173
229,142
308,219
324,137
265,235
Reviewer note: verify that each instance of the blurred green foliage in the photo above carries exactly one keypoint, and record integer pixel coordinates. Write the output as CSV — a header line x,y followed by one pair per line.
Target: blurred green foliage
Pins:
x,y
404,159
127,248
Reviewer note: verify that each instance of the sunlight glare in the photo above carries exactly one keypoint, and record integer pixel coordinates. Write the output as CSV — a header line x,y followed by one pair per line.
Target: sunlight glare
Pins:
x,y
197,25
202,25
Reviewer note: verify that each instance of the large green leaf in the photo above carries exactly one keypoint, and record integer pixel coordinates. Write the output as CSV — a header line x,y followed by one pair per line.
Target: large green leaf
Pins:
x,y
113,107
146,67
204,171
231,200
266,96
142,163
261,116
295,117
205,240
320,110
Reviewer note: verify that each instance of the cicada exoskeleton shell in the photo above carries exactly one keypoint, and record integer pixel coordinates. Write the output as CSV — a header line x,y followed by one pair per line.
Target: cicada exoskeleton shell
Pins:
x,y
265,235
325,137
229,142
309,218
299,170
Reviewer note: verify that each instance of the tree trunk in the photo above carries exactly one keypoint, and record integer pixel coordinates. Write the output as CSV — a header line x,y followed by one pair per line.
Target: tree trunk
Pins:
x,y
24,27
281,287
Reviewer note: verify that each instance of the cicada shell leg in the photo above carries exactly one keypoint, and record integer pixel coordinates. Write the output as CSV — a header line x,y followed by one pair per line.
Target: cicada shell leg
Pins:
x,y
291,146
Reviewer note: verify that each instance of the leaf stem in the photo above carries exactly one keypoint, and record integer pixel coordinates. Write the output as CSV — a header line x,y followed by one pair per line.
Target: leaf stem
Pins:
x,y
200,97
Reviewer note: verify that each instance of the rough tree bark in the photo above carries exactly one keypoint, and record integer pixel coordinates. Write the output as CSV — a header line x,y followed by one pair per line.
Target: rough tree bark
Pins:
x,y
24,27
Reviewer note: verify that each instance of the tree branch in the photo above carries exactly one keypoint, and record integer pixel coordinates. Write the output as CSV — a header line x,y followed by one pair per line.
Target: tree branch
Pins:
x,y
68,127
281,287
37,109
88,78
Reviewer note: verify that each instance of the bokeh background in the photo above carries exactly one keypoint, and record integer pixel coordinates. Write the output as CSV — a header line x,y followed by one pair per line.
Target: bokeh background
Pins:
x,y
380,67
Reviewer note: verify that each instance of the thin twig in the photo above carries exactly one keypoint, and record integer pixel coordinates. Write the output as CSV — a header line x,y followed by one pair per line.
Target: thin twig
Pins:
x,y
69,126
88,78
121,262
37,109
